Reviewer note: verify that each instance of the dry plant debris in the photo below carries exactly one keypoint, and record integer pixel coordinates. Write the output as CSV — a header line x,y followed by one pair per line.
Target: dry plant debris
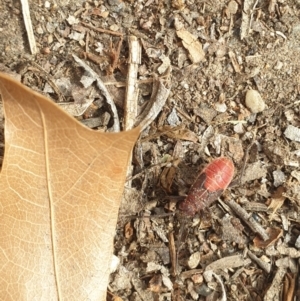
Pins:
x,y
59,208
198,61
28,26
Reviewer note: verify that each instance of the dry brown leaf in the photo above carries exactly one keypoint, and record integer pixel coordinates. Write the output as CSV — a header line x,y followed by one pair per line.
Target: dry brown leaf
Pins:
x,y
276,202
274,234
60,189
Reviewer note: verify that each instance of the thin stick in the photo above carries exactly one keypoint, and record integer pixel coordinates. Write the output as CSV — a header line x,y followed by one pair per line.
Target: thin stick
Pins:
x,y
160,93
101,86
274,290
114,33
173,254
264,265
132,90
28,26
248,219
246,157
116,55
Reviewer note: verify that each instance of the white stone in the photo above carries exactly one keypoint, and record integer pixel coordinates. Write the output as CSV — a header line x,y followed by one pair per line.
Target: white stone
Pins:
x,y
194,260
254,101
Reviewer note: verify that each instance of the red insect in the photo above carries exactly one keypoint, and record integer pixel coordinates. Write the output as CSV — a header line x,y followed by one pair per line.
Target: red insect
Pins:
x,y
209,185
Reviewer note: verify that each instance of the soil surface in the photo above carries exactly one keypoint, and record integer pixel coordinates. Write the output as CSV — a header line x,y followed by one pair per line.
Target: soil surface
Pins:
x,y
214,52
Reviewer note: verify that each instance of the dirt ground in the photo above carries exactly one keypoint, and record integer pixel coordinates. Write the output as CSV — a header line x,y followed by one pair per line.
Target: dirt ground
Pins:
x,y
246,246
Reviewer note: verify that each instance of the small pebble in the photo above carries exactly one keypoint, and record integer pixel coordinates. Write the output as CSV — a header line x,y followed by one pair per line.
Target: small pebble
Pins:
x,y
221,107
292,133
39,30
278,65
173,119
114,27
203,290
239,128
46,50
254,101
232,7
194,260
72,20
50,27
279,177
197,278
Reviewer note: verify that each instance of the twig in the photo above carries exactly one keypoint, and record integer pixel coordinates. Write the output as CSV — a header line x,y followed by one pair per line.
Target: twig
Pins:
x,y
101,86
173,254
252,13
264,265
87,41
159,96
119,34
116,55
218,278
208,277
132,91
28,26
248,219
52,84
289,286
93,57
246,158
141,81
274,290
248,7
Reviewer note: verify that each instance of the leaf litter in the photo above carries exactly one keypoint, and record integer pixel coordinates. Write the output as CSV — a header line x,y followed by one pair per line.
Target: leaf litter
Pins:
x,y
246,46
50,190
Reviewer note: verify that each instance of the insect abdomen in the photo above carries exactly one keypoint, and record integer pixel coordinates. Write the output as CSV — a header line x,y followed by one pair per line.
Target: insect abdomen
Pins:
x,y
209,185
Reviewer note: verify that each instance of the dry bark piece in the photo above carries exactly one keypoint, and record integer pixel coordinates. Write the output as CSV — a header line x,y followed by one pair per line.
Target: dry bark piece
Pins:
x,y
228,262
277,201
191,43
290,252
247,16
167,177
254,171
132,90
60,189
232,230
178,132
273,292
276,151
206,113
101,86
83,98
234,61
